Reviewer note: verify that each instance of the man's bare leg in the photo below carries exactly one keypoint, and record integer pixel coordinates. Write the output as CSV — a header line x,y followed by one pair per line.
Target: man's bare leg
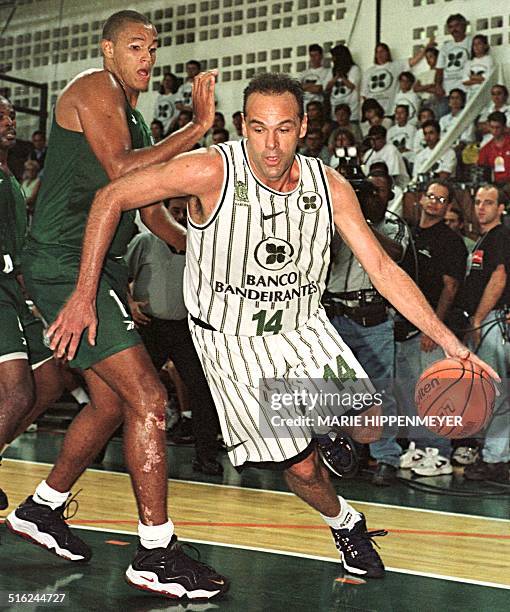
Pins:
x,y
16,396
48,388
310,481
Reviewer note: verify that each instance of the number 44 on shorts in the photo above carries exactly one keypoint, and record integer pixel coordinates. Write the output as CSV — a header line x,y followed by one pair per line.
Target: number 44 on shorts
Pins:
x,y
343,372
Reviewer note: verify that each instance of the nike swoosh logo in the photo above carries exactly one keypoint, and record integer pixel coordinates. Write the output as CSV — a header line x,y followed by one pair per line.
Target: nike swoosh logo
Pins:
x,y
233,446
266,217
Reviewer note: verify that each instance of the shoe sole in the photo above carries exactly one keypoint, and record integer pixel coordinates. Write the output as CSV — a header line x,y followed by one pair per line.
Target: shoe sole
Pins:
x,y
359,572
442,472
148,581
30,532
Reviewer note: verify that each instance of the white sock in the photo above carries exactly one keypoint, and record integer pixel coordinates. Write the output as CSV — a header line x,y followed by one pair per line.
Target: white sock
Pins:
x,y
80,395
346,519
186,414
155,536
47,496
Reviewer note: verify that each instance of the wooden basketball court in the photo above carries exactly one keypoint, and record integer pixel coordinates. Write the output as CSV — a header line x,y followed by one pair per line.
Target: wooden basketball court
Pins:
x,y
442,552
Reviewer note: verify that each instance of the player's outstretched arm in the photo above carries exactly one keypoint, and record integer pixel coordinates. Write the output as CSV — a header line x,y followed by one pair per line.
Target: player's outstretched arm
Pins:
x,y
95,104
390,280
199,173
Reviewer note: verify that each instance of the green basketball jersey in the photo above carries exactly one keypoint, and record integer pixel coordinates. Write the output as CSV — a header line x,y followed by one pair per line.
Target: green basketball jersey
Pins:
x,y
72,175
13,222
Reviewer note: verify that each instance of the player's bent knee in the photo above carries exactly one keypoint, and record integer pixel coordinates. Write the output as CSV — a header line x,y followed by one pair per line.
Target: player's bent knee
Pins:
x,y
18,400
307,470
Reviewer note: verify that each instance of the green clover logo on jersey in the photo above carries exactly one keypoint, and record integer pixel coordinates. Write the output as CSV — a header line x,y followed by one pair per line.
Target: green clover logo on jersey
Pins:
x,y
276,253
309,202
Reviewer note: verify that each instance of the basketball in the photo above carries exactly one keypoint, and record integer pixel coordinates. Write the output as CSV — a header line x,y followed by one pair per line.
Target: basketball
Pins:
x,y
457,389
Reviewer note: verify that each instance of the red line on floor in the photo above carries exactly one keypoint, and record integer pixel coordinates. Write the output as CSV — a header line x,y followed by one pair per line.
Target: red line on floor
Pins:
x,y
459,534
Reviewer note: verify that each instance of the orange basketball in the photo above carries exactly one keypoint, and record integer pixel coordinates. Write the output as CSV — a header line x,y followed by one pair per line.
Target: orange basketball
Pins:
x,y
456,396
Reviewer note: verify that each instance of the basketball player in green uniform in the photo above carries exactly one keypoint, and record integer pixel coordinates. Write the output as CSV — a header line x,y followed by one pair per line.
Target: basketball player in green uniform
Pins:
x,y
21,334
97,135
263,219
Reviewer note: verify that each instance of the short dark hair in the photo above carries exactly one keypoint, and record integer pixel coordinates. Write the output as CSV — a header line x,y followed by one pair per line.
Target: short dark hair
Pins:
x,y
432,123
219,114
501,86
37,132
371,104
158,123
456,17
381,173
457,211
314,132
408,75
377,130
442,183
432,50
502,197
498,117
273,83
461,92
404,106
116,22
222,131
428,110
186,112
194,63
344,107
315,103
237,114
315,47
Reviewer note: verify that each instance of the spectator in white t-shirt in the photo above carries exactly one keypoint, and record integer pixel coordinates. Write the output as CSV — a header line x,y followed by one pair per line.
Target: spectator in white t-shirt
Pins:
x,y
183,95
406,96
453,56
425,84
164,107
402,134
425,114
380,81
344,82
382,151
456,102
315,77
499,102
445,166
372,113
479,67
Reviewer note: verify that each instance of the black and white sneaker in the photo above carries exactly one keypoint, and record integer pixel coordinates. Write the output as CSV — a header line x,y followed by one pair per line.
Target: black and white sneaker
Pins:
x,y
338,453
4,501
357,552
47,528
171,573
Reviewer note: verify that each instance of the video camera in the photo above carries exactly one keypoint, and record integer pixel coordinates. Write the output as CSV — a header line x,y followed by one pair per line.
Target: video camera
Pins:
x,y
349,168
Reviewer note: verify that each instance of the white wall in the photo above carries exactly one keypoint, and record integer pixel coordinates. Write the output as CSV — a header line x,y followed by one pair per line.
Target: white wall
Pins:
x,y
327,21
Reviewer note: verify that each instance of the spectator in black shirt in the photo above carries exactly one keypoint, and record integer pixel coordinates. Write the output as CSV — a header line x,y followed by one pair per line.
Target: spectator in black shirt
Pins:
x,y
441,262
485,293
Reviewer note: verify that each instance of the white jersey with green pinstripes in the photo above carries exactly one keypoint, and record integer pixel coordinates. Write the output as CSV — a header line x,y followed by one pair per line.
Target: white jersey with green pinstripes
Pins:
x,y
258,265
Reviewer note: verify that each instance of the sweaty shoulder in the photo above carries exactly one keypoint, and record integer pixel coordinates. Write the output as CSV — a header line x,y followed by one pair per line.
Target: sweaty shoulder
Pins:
x,y
94,88
337,183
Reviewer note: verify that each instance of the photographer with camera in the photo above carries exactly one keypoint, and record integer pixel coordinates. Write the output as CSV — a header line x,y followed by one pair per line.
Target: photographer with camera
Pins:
x,y
344,83
358,312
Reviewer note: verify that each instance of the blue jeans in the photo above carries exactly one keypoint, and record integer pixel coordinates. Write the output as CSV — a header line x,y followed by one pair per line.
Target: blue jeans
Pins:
x,y
410,363
494,351
374,348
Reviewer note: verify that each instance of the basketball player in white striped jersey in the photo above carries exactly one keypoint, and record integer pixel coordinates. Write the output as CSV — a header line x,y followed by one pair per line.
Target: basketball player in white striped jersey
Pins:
x,y
257,256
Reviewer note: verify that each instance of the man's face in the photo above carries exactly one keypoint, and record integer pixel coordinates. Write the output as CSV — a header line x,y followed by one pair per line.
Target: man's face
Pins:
x,y
192,70
156,131
7,125
457,29
342,116
431,59
455,101
401,115
133,53
498,96
39,141
237,120
452,220
381,55
382,189
377,141
487,207
314,142
435,201
273,128
177,208
405,83
496,129
219,137
313,111
425,115
315,59
431,136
